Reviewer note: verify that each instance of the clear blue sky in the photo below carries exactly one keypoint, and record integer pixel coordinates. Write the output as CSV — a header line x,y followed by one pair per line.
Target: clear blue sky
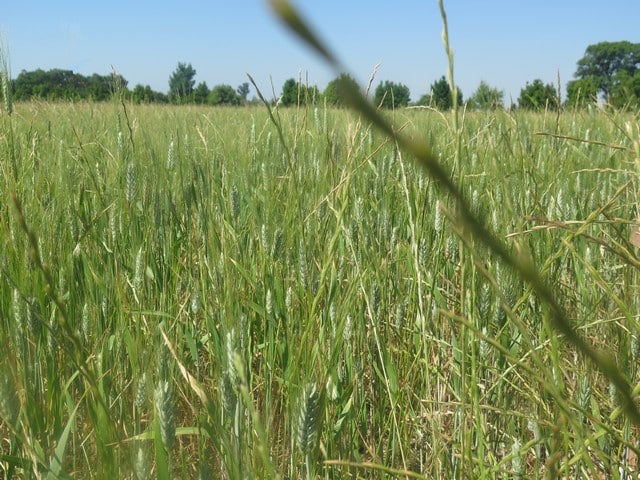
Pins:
x,y
504,42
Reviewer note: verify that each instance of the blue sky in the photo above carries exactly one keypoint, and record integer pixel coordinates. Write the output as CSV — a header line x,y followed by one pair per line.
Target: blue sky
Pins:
x,y
503,42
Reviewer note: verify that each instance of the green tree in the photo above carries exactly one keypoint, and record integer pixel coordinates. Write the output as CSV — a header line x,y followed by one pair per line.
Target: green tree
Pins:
x,y
144,94
181,83
100,87
440,96
138,94
201,93
582,92
336,90
391,95
290,93
538,96
486,97
625,92
603,61
243,91
60,84
293,93
224,95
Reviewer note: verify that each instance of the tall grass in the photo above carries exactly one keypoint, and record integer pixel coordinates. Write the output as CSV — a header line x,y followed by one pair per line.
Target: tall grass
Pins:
x,y
187,294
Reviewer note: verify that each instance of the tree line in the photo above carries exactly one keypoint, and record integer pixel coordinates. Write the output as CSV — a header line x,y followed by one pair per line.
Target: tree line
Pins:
x,y
608,72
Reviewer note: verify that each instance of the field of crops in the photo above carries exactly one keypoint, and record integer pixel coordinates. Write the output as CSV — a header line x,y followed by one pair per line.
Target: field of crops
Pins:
x,y
207,293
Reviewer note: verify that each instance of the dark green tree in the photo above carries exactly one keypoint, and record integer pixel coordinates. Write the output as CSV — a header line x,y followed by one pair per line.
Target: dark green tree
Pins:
x,y
100,87
243,91
181,83
290,93
440,96
538,96
138,94
486,97
603,61
294,93
224,95
201,93
391,95
337,89
60,84
625,92
582,92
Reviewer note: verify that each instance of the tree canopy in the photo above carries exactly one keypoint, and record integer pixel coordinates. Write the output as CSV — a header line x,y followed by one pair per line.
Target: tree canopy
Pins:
x,y
224,95
486,97
295,93
391,95
582,92
144,94
610,70
243,91
538,96
200,93
182,82
60,84
604,61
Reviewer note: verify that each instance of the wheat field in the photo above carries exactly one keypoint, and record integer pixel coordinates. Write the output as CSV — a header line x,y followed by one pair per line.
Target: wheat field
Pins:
x,y
191,292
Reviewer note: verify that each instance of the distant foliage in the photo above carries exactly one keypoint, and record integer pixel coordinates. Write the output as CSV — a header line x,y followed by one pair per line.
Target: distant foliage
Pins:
x,y
60,84
538,96
608,71
391,95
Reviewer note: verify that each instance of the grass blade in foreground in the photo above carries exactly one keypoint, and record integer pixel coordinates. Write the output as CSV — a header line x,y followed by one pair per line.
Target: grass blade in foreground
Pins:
x,y
423,155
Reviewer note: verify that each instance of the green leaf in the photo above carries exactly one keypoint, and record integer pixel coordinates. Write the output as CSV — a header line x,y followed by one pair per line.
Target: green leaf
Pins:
x,y
55,464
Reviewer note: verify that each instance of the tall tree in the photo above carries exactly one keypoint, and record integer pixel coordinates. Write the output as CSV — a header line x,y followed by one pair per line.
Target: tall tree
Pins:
x,y
538,96
243,91
182,82
603,61
391,95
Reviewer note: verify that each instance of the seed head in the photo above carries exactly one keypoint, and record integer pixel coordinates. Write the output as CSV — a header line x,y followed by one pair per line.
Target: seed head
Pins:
x,y
171,156
5,85
308,419
131,186
235,202
163,399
